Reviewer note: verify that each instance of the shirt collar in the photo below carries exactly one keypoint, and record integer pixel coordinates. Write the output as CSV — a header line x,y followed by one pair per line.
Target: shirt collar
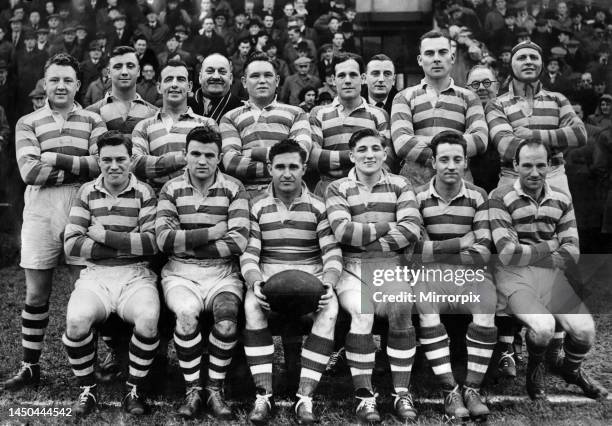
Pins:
x,y
99,184
352,175
520,192
373,101
537,90
433,193
110,98
268,107
363,105
218,183
451,85
75,107
187,114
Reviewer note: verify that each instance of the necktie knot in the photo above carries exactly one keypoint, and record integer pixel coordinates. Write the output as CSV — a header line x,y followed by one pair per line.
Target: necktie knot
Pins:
x,y
380,104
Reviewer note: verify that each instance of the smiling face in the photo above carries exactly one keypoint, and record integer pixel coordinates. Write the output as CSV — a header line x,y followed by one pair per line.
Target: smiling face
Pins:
x,y
202,160
348,80
527,65
115,166
216,76
483,76
287,171
260,81
174,86
449,164
532,168
61,85
124,71
436,58
368,155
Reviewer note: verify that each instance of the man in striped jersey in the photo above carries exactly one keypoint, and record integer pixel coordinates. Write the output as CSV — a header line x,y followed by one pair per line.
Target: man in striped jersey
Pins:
x,y
526,111
332,125
251,130
123,108
112,225
534,230
435,104
159,141
458,241
203,224
289,230
55,148
374,216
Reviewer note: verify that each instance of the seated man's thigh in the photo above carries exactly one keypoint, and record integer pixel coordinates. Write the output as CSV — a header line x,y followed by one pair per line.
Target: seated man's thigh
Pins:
x,y
561,298
138,296
87,306
182,299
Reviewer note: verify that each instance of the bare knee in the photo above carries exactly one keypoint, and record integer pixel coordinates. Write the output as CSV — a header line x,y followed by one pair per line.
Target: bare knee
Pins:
x,y
542,329
583,330
361,323
187,319
78,326
484,320
226,329
145,323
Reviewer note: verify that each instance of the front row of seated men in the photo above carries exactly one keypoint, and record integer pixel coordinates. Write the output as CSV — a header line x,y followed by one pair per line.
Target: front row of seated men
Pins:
x,y
371,219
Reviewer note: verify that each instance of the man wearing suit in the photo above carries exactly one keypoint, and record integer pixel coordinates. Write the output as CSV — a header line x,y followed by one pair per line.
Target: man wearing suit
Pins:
x,y
379,89
120,35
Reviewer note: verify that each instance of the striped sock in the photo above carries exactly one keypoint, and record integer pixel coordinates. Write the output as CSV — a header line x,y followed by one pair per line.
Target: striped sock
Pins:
x,y
505,333
142,352
259,349
536,353
189,353
315,356
553,352
34,321
220,351
435,345
574,353
401,346
360,357
480,344
82,357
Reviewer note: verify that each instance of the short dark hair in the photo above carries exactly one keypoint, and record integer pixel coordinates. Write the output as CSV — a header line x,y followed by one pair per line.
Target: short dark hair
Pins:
x,y
139,36
531,142
114,138
63,60
447,136
204,134
257,57
287,146
364,133
345,56
380,57
174,63
122,50
302,94
432,34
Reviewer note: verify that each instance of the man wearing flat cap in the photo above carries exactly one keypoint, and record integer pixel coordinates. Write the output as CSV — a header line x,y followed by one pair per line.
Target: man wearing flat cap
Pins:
x,y
296,82
42,39
55,28
155,32
28,65
121,34
68,44
16,32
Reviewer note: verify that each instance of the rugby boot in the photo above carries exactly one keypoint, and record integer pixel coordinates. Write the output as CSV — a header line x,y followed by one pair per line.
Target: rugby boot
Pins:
x,y
110,368
453,405
193,403
337,363
88,401
506,366
536,379
28,375
303,410
475,403
404,406
367,410
134,403
262,410
591,387
215,401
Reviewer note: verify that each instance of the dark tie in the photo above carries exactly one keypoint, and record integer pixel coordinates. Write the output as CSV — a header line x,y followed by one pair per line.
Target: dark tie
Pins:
x,y
380,105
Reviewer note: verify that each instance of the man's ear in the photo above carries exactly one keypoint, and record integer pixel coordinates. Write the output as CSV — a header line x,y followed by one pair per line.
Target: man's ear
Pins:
x,y
516,166
269,165
243,79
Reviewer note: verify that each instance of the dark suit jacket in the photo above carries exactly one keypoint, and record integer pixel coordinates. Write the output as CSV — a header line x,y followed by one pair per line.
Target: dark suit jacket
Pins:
x,y
388,104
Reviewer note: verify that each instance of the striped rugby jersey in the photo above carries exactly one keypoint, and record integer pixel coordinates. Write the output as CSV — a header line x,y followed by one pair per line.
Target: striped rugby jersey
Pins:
x,y
107,109
72,142
447,223
552,120
418,114
332,129
382,220
298,234
159,152
522,229
128,220
184,214
247,139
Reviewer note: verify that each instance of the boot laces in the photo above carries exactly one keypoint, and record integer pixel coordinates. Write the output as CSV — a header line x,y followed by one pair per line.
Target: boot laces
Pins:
x,y
86,394
304,400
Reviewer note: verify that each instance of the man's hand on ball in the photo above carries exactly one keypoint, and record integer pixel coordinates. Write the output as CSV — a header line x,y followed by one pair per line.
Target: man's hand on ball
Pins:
x,y
329,294
261,298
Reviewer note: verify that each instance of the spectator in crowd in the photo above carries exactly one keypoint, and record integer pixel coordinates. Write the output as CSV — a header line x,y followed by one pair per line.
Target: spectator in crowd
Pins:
x,y
238,31
333,26
17,33
288,11
90,68
585,94
576,57
324,99
551,78
543,36
329,86
6,47
307,98
562,15
214,98
98,88
154,32
34,20
240,57
579,28
208,41
254,27
465,17
602,117
144,54
7,92
147,86
290,52
120,35
28,66
379,88
346,28
599,68
496,18
174,15
296,82
42,39
38,97
270,29
68,45
173,52
326,55
306,32
281,66
222,30
55,29
249,11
